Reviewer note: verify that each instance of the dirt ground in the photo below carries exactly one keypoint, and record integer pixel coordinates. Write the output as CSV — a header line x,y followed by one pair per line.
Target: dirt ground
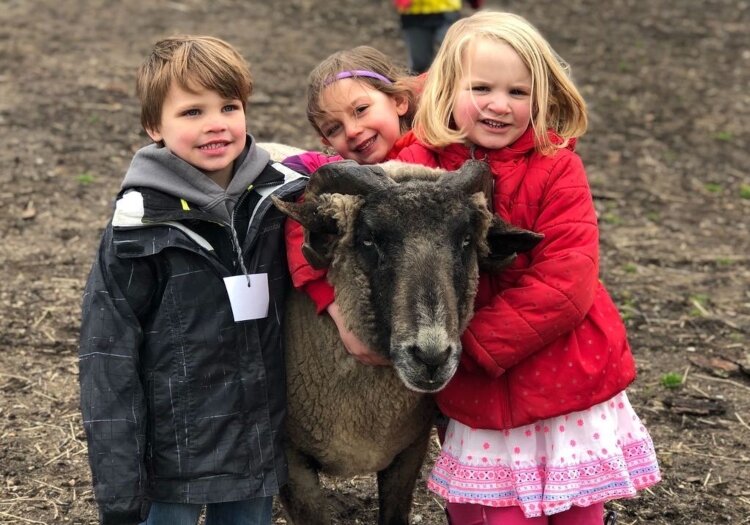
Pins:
x,y
667,83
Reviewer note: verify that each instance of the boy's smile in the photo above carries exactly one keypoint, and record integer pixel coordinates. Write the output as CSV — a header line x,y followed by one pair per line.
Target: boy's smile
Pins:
x,y
204,129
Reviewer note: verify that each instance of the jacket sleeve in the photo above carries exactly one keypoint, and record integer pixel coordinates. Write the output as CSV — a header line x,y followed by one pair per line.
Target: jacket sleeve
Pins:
x,y
112,397
553,294
309,161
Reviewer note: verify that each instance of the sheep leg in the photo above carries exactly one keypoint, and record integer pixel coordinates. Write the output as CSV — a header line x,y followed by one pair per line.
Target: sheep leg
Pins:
x,y
396,482
302,497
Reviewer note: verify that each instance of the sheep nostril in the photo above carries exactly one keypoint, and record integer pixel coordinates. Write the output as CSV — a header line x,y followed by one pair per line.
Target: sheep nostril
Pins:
x,y
430,357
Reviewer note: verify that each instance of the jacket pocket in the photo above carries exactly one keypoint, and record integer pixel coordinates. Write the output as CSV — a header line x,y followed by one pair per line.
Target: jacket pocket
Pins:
x,y
217,427
198,428
167,446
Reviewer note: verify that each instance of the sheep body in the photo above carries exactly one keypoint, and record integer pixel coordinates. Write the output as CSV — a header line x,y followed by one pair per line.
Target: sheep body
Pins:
x,y
403,246
351,418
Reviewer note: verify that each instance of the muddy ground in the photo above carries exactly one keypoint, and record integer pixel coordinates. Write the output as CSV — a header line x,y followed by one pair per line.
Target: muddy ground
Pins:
x,y
667,83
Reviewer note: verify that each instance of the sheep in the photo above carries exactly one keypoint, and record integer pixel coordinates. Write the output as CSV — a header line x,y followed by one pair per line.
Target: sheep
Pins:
x,y
403,245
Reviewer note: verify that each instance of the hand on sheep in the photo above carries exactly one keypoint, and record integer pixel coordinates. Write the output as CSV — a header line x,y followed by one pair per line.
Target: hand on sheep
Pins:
x,y
353,344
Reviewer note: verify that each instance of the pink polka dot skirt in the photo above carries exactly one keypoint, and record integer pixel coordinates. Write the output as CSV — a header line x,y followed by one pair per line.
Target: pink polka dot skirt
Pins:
x,y
585,457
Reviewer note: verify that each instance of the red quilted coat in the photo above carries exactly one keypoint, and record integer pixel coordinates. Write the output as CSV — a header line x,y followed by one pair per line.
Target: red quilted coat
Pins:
x,y
546,338
304,276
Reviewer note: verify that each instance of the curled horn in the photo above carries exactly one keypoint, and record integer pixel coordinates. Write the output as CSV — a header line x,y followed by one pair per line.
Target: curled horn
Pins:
x,y
348,178
473,177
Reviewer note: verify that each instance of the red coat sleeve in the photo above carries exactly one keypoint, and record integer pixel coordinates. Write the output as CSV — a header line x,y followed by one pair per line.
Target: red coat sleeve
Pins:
x,y
556,289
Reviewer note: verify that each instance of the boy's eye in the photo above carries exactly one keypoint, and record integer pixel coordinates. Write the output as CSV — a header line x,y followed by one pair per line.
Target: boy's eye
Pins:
x,y
191,112
231,107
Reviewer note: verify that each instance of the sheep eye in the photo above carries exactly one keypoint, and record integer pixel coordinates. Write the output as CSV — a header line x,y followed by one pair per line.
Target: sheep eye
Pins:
x,y
368,243
467,241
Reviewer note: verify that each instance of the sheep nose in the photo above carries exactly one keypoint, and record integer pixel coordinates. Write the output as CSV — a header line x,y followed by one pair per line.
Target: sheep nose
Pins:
x,y
431,358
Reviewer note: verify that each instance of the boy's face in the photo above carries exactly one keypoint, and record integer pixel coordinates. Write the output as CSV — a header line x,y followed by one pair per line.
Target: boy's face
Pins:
x,y
204,129
361,123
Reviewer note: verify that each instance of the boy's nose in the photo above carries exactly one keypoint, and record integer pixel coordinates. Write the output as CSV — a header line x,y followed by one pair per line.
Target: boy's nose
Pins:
x,y
215,124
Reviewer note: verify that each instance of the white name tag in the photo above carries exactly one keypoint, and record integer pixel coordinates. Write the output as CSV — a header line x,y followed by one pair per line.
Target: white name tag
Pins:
x,y
249,301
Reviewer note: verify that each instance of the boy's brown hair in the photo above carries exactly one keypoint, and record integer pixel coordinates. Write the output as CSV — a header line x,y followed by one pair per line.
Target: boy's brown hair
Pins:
x,y
190,61
358,59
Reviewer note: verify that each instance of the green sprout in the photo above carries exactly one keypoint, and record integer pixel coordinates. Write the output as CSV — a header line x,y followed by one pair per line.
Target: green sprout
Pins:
x,y
671,380
85,178
699,302
713,187
611,218
628,307
745,191
723,136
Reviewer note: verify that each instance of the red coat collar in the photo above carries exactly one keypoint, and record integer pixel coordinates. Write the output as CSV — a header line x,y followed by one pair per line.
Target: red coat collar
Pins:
x,y
454,155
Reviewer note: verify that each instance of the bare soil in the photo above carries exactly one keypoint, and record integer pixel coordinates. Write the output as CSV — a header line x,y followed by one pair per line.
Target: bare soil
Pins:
x,y
667,83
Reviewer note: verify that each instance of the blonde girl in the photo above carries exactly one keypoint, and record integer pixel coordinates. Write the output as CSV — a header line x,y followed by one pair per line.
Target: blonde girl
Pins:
x,y
541,430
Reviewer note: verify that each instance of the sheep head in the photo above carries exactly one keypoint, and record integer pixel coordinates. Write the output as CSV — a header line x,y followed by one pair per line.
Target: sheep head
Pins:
x,y
404,245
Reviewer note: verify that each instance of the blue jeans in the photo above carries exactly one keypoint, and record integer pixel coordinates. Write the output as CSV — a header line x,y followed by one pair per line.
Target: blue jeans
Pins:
x,y
423,34
257,511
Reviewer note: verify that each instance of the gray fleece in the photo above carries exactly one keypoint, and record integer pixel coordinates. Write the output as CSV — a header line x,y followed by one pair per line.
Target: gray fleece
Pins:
x,y
158,168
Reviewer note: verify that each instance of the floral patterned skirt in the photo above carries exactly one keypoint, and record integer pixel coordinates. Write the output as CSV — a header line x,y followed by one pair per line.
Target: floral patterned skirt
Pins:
x,y
594,455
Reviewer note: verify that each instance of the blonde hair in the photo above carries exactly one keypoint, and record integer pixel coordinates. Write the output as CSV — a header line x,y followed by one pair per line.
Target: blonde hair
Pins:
x,y
190,61
555,101
361,59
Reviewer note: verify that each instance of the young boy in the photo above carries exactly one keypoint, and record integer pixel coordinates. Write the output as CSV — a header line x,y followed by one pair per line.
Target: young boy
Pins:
x,y
181,361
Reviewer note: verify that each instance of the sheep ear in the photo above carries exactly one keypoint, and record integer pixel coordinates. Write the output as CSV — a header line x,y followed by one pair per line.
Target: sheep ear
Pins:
x,y
505,242
321,230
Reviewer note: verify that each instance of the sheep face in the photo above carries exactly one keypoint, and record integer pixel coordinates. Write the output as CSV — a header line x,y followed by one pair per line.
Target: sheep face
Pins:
x,y
404,245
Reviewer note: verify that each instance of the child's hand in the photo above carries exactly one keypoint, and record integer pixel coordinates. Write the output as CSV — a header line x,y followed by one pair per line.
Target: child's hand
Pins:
x,y
356,348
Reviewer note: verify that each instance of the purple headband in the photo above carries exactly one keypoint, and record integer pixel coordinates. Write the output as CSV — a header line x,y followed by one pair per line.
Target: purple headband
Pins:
x,y
358,73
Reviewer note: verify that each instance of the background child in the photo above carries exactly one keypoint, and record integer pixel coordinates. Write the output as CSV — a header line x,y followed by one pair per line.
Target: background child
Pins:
x,y
183,397
362,105
541,430
424,24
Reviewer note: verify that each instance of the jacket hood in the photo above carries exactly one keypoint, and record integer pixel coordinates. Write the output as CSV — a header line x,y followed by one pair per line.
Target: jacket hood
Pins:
x,y
158,168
